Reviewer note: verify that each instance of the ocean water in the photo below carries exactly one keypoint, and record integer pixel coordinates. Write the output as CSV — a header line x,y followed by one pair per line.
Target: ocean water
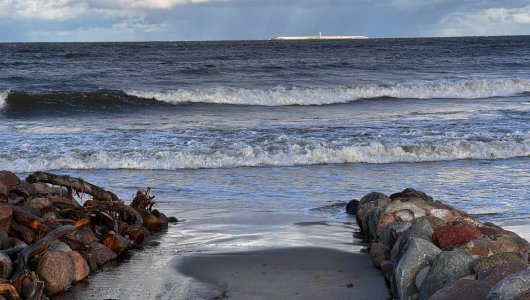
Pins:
x,y
277,125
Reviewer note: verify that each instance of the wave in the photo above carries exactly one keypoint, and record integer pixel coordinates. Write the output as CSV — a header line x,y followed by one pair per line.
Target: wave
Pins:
x,y
278,96
247,155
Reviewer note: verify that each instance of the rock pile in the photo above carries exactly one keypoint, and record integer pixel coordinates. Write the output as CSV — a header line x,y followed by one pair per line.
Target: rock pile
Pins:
x,y
48,240
428,250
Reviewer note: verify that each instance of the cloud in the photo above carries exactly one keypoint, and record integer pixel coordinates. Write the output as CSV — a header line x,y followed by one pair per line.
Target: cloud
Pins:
x,y
488,21
58,10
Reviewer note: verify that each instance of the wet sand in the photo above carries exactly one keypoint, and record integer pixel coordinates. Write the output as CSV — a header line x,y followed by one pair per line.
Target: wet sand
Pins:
x,y
242,255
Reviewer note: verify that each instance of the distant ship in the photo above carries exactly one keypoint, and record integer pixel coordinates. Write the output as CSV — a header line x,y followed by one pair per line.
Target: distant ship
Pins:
x,y
319,37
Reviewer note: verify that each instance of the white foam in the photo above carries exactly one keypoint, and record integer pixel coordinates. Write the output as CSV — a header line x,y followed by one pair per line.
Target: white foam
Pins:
x,y
3,98
242,154
457,89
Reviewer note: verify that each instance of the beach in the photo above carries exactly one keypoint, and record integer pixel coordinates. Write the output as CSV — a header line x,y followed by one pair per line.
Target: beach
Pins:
x,y
257,146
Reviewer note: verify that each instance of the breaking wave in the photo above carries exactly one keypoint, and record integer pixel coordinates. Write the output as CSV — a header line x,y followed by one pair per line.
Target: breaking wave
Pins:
x,y
21,101
280,96
247,155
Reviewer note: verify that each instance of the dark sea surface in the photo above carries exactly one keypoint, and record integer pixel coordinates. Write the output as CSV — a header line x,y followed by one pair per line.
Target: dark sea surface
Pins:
x,y
277,125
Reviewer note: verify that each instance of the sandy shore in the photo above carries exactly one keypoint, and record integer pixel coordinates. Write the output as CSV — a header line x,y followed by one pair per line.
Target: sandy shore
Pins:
x,y
242,255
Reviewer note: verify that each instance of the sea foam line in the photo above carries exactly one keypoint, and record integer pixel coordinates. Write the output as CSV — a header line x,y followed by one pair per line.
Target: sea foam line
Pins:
x,y
245,155
456,89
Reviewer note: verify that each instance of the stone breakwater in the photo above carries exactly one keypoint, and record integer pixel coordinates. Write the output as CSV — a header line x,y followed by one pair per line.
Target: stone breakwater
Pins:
x,y
49,240
428,250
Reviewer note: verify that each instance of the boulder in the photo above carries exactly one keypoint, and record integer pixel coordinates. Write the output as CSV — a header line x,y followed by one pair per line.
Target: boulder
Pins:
x,y
379,252
175,220
5,265
419,229
500,271
443,214
351,207
56,269
410,194
421,276
434,221
366,205
485,263
4,192
413,260
464,288
58,246
387,268
451,236
100,254
513,286
81,269
85,236
498,243
4,240
9,179
404,215
447,266
5,217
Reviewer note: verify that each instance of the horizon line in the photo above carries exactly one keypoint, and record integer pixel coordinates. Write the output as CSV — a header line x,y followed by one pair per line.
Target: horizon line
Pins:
x,y
265,39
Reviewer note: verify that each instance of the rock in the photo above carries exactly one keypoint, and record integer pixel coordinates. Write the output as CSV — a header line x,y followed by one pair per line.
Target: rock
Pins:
x,y
373,221
150,221
441,213
500,271
5,218
4,192
58,246
379,252
85,236
63,202
419,229
413,260
351,207
101,254
404,215
4,240
512,287
409,194
387,268
434,221
385,220
451,236
16,243
464,288
175,220
489,262
41,188
56,269
397,205
81,269
366,205
447,266
493,244
421,276
5,265
9,179
162,217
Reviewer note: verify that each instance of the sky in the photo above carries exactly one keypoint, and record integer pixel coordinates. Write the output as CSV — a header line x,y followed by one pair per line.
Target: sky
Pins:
x,y
169,20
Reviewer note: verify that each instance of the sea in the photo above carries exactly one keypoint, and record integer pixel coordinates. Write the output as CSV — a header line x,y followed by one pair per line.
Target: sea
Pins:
x,y
277,126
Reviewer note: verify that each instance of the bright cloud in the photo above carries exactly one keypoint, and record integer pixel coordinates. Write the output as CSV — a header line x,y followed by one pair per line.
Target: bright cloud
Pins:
x,y
490,21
